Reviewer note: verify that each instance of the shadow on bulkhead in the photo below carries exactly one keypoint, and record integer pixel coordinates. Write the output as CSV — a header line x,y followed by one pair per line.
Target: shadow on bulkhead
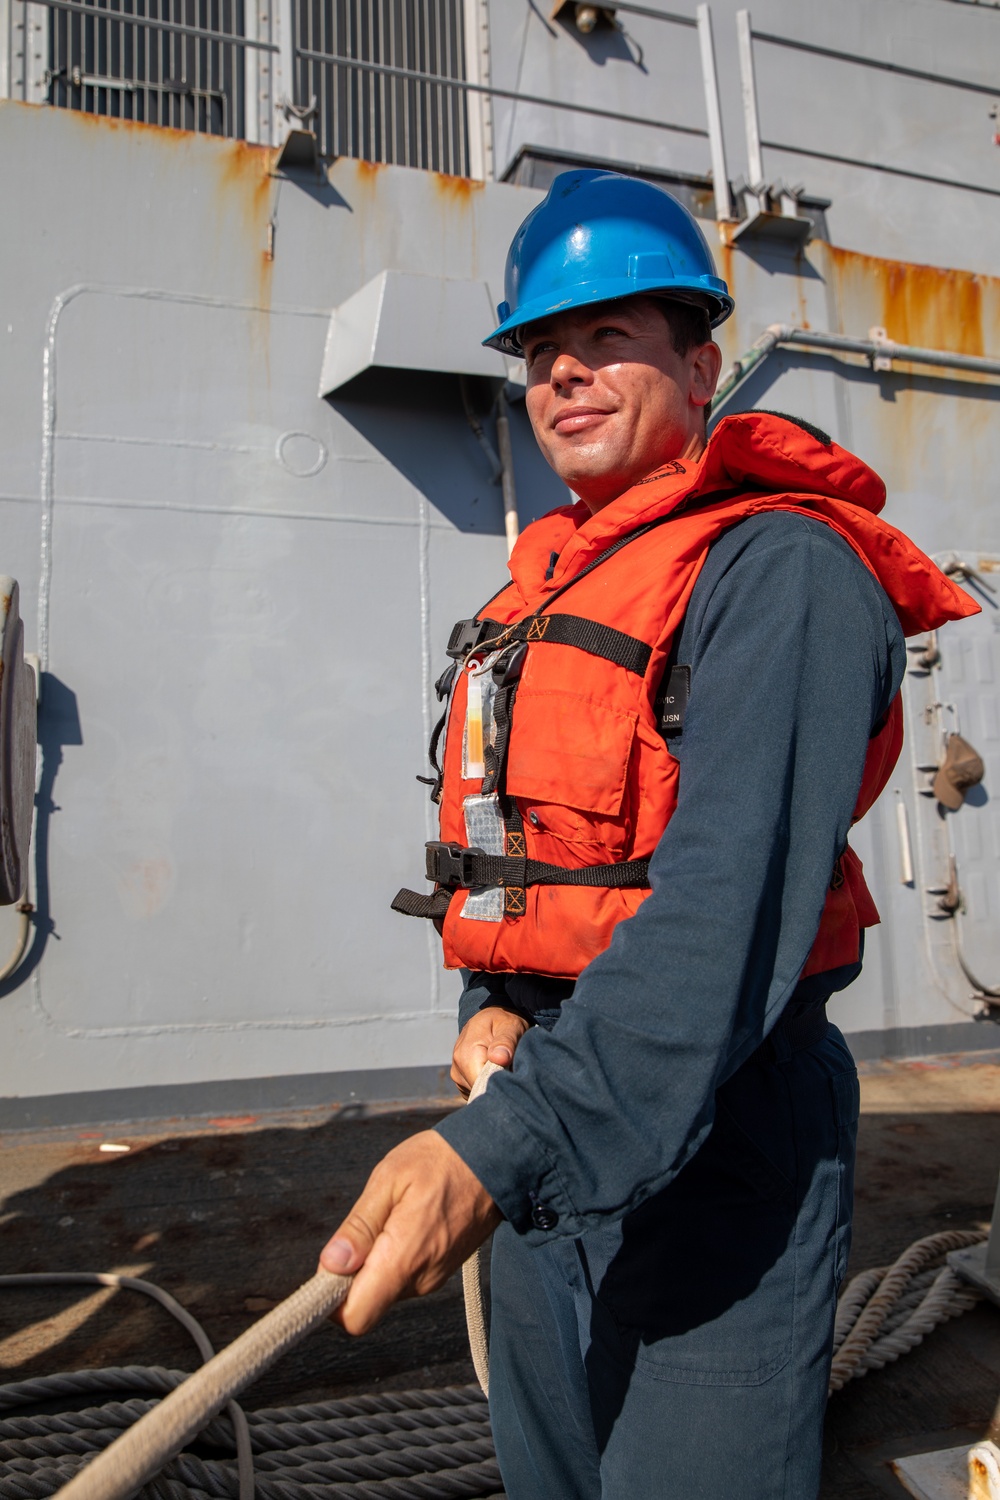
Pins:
x,y
604,42
778,257
417,421
58,726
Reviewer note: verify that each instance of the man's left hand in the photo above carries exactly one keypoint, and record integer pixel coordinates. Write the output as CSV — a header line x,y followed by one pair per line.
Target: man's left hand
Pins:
x,y
422,1213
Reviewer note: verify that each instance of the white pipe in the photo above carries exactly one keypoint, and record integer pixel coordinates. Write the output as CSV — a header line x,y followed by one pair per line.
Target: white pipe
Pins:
x,y
905,848
510,516
710,79
912,354
748,84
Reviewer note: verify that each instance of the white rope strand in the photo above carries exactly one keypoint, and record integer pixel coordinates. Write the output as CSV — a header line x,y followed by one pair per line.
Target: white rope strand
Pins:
x,y
477,1318
888,1311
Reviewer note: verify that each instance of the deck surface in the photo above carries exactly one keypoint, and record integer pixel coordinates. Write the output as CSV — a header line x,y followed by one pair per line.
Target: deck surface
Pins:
x,y
228,1216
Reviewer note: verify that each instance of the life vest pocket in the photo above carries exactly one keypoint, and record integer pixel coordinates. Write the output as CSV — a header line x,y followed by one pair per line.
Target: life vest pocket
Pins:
x,y
570,750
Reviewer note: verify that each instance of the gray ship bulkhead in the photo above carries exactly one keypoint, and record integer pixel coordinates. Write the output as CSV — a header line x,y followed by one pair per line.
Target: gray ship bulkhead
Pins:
x,y
240,588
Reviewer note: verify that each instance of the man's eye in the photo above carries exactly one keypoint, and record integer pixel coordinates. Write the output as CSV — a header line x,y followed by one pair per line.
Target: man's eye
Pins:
x,y
611,332
534,350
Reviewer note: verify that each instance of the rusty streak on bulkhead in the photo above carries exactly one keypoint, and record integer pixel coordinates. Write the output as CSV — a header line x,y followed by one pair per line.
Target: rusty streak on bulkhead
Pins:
x,y
248,189
459,190
932,307
458,194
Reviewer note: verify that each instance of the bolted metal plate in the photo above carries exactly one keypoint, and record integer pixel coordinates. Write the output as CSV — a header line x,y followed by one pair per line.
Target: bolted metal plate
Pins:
x,y
17,747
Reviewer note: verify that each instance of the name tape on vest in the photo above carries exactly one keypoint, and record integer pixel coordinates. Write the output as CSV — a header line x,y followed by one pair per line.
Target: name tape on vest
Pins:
x,y
672,701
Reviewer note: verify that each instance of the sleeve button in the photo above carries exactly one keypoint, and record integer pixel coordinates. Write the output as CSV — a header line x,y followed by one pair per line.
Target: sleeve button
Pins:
x,y
543,1217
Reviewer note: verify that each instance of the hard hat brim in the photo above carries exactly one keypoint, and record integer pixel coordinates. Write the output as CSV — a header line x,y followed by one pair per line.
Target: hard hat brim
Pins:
x,y
719,304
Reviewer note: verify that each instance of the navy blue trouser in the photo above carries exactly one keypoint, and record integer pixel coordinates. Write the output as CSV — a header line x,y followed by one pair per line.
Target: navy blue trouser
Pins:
x,y
683,1352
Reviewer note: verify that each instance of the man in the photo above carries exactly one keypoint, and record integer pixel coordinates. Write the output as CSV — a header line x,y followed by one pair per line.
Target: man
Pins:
x,y
658,736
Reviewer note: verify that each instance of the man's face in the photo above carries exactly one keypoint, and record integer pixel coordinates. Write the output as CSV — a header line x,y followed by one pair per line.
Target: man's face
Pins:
x,y
610,400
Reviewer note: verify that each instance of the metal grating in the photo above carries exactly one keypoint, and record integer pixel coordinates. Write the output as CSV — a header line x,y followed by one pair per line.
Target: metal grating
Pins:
x,y
352,58
164,62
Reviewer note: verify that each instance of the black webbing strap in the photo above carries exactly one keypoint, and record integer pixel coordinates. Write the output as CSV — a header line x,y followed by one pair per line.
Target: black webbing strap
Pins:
x,y
515,900
443,689
412,904
515,874
497,869
586,635
495,755
471,868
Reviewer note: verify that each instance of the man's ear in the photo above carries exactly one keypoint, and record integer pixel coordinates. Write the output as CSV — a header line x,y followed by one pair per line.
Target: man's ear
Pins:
x,y
706,366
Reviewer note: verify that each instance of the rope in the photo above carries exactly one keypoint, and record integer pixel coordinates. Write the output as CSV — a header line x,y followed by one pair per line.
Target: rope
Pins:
x,y
403,1445
201,1339
477,1318
886,1312
141,1451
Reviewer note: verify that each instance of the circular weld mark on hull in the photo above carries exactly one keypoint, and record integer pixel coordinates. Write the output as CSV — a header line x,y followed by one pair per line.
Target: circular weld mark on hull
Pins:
x,y
301,454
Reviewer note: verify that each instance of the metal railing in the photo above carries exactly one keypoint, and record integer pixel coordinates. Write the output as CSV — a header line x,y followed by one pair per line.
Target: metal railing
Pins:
x,y
163,62
383,80
397,81
385,77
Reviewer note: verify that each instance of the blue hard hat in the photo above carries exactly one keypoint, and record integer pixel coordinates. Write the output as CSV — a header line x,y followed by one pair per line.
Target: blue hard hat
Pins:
x,y
597,236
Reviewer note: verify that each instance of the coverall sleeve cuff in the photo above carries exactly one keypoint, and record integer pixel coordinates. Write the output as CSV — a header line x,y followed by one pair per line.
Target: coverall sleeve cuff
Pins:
x,y
481,990
513,1169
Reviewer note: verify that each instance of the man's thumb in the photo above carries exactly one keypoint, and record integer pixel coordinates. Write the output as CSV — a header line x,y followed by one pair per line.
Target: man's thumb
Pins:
x,y
505,1039
348,1250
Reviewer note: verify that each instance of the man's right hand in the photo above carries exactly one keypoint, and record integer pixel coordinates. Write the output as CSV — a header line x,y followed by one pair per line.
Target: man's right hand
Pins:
x,y
491,1036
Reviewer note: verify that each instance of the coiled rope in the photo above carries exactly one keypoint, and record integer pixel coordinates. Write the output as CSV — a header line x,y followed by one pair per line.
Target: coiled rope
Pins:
x,y
400,1445
406,1445
888,1311
412,1445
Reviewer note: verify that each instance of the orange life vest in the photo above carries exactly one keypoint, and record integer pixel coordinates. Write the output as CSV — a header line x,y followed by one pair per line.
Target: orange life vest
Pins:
x,y
557,766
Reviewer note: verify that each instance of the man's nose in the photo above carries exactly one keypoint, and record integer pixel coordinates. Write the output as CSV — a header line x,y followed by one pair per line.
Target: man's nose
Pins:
x,y
568,370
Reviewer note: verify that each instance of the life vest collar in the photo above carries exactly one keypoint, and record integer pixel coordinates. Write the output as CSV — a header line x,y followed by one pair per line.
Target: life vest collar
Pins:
x,y
751,450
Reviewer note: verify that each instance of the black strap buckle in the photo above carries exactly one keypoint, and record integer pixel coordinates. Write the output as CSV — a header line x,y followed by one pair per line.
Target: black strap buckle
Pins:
x,y
466,635
452,865
508,669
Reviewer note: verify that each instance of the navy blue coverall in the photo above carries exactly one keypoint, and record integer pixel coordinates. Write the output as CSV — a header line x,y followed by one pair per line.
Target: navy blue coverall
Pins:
x,y
673,1149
